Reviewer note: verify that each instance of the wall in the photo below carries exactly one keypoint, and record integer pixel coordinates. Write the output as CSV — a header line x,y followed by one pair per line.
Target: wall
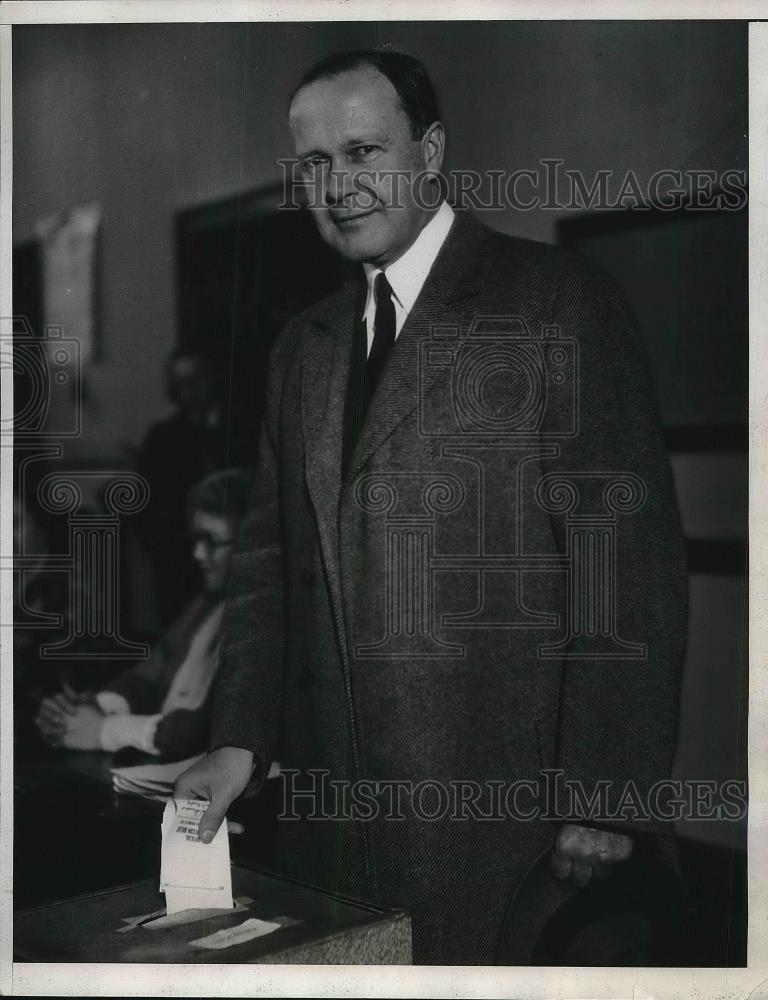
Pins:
x,y
152,119
148,119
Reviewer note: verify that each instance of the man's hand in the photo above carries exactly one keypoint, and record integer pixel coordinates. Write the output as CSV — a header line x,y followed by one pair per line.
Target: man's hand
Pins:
x,y
582,852
219,778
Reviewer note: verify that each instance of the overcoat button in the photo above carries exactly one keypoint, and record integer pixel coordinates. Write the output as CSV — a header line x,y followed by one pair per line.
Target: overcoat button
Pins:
x,y
308,576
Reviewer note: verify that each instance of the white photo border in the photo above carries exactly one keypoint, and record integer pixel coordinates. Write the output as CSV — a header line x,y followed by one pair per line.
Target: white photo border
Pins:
x,y
40,979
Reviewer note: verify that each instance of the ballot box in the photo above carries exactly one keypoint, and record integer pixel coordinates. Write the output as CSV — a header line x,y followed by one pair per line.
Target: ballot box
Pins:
x,y
105,838
275,920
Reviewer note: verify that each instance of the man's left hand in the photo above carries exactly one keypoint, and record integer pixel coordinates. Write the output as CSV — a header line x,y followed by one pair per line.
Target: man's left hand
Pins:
x,y
581,852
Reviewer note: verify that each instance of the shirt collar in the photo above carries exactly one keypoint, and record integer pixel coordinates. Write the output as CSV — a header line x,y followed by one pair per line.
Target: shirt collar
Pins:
x,y
406,275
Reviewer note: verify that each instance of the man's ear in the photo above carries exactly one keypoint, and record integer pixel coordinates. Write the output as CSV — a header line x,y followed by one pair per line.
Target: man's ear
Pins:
x,y
433,147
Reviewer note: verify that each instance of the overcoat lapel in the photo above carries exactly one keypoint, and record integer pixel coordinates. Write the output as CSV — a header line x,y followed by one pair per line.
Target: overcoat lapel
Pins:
x,y
325,370
446,297
448,294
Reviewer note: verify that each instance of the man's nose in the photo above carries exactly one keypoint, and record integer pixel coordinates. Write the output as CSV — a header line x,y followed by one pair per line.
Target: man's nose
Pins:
x,y
339,186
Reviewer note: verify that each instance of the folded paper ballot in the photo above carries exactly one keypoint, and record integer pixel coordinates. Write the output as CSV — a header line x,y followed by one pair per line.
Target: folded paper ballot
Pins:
x,y
193,875
156,781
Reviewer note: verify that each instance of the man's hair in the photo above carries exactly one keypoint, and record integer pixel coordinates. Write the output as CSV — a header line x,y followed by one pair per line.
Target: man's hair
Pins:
x,y
223,494
406,74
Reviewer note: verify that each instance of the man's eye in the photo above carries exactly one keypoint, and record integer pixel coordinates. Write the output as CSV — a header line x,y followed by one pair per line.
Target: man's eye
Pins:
x,y
366,150
313,163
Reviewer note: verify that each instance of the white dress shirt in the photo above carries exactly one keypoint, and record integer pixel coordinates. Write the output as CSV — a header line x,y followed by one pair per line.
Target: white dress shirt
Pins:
x,y
406,275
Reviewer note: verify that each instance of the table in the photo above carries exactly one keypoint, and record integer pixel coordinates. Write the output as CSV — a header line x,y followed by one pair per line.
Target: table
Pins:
x,y
317,927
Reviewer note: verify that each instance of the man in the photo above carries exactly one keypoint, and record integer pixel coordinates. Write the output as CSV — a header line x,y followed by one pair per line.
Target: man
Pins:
x,y
177,453
393,603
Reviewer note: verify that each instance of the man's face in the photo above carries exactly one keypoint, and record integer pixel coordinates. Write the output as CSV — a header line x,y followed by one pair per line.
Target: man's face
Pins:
x,y
353,139
188,384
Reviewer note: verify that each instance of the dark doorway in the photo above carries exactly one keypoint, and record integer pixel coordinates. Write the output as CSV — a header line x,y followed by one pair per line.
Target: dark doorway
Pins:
x,y
244,267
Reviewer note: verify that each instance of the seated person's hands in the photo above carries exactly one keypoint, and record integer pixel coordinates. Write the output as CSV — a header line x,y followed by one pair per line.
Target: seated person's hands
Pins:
x,y
83,729
581,852
70,720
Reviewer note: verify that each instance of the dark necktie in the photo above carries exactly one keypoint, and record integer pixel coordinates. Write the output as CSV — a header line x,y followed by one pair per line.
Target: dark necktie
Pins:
x,y
364,374
383,334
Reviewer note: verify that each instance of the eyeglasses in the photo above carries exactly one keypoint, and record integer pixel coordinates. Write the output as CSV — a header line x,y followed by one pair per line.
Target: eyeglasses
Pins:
x,y
210,543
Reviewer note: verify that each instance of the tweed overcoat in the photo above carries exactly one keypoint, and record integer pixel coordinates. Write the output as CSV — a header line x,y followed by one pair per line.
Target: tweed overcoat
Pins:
x,y
437,616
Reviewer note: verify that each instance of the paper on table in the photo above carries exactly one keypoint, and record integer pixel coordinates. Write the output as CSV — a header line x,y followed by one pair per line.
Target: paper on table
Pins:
x,y
151,780
156,781
193,875
193,916
228,936
159,919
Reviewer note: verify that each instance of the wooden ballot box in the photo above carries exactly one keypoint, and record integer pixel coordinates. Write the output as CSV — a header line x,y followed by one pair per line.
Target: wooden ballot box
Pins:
x,y
126,924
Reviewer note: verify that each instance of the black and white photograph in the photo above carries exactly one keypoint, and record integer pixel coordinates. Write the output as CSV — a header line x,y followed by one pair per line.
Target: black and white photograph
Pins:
x,y
377,438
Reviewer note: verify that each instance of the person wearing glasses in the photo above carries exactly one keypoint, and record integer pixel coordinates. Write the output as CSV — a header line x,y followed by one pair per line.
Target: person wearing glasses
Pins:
x,y
162,705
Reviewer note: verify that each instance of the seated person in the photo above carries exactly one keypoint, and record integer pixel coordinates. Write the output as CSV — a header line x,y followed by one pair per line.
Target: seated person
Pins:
x,y
163,704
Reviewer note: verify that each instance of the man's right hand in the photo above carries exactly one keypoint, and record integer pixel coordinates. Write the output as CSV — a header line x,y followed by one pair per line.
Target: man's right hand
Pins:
x,y
219,778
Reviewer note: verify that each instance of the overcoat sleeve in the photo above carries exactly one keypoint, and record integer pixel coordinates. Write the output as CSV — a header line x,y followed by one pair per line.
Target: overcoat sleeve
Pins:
x,y
618,717
248,687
